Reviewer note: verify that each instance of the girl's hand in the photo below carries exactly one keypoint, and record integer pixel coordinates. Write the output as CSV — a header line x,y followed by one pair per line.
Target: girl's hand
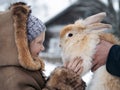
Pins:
x,y
75,65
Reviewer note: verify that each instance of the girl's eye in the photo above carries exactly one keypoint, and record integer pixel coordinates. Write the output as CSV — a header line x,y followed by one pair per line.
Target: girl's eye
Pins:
x,y
40,42
70,35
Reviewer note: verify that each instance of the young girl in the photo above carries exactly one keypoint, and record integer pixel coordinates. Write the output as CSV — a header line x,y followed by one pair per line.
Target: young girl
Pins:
x,y
21,40
22,36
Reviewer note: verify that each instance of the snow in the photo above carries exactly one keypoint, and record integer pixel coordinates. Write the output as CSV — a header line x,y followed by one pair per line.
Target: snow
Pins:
x,y
49,67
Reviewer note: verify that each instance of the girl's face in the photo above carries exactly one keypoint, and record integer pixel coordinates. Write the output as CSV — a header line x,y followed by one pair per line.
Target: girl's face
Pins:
x,y
36,46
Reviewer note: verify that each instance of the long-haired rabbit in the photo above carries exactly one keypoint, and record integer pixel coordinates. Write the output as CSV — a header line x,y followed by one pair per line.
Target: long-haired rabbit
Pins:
x,y
80,40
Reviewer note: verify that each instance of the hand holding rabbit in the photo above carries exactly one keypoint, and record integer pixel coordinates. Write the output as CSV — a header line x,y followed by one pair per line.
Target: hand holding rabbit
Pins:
x,y
100,57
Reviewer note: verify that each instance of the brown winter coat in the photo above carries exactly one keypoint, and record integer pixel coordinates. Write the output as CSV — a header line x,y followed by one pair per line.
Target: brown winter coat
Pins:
x,y
16,69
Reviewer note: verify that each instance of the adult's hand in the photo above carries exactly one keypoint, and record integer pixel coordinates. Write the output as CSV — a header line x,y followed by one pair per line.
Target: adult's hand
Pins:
x,y
100,57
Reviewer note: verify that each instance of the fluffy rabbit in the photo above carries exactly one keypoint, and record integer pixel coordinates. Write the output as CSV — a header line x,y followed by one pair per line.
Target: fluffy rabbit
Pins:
x,y
80,40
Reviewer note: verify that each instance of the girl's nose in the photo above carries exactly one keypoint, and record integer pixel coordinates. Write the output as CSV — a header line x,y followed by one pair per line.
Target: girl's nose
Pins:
x,y
42,48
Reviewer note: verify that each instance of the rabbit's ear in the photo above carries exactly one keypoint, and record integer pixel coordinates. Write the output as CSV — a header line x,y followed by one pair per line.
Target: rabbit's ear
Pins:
x,y
94,18
99,27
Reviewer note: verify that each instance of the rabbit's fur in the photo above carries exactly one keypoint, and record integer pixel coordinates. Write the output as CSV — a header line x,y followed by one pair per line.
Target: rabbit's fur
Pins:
x,y
80,40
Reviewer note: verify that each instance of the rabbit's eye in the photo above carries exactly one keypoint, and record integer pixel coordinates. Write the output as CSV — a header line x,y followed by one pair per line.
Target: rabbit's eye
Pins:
x,y
70,35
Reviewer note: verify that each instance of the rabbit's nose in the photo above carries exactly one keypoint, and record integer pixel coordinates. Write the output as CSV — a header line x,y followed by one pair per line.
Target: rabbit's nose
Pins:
x,y
59,45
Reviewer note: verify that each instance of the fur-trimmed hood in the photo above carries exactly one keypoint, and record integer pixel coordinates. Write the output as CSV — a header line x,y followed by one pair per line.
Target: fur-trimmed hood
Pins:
x,y
14,48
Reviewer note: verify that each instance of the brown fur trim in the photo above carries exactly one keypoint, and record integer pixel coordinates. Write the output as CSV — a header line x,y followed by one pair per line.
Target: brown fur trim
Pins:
x,y
64,79
20,13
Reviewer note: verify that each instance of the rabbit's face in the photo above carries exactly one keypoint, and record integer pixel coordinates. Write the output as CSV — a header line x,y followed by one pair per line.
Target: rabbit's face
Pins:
x,y
68,34
78,42
75,40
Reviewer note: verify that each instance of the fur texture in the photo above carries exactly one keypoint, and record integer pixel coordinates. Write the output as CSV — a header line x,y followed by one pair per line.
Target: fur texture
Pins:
x,y
80,40
64,79
20,12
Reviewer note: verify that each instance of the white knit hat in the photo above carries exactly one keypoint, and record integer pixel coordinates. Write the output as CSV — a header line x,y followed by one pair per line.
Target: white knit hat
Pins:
x,y
34,27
